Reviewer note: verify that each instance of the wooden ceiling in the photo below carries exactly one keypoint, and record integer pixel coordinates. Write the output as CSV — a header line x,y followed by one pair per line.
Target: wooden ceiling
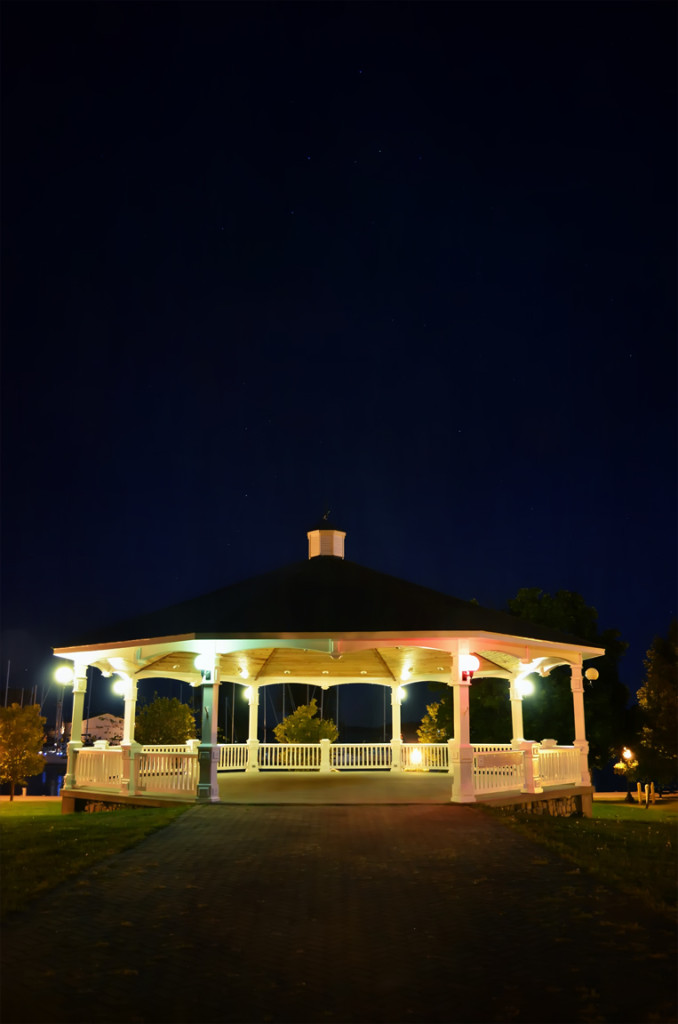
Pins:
x,y
275,664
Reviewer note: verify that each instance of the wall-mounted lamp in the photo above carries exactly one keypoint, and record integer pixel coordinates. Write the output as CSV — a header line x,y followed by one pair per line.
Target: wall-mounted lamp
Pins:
x,y
524,686
204,666
468,663
121,686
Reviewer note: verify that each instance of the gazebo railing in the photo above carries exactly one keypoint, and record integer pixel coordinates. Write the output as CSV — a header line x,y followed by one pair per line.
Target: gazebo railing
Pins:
x,y
162,772
293,756
101,769
360,756
425,757
233,757
497,768
559,765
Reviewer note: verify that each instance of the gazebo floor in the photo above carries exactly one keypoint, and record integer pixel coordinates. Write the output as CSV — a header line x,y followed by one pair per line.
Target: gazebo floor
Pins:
x,y
335,788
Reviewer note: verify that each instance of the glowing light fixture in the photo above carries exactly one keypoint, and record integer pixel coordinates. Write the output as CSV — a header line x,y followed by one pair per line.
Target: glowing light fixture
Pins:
x,y
248,693
244,674
121,685
468,663
203,663
402,692
591,674
64,675
415,756
627,754
524,686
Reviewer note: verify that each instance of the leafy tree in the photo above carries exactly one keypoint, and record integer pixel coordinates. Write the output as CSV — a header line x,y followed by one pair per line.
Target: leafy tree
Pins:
x,y
430,731
164,720
658,702
21,737
303,727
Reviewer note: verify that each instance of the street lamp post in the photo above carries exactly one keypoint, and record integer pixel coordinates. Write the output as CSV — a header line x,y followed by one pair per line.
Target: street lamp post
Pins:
x,y
63,676
628,761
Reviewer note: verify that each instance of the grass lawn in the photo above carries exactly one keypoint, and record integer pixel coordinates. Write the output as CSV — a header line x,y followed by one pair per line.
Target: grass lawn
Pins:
x,y
634,847
40,847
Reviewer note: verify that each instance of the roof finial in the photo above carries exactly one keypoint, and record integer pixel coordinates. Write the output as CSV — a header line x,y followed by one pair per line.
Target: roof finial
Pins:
x,y
327,514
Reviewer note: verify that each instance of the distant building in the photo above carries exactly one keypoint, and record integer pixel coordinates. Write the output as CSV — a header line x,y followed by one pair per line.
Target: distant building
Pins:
x,y
101,727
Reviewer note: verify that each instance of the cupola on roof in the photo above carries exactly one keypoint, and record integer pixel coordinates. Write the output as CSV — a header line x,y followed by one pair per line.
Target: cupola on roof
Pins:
x,y
326,539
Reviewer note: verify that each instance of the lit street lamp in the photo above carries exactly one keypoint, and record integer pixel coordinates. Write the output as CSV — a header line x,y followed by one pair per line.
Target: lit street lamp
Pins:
x,y
626,766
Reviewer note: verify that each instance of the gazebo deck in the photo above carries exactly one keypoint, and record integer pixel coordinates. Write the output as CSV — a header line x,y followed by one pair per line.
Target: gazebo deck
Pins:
x,y
335,788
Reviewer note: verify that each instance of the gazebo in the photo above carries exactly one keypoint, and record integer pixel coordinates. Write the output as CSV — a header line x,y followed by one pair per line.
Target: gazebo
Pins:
x,y
327,622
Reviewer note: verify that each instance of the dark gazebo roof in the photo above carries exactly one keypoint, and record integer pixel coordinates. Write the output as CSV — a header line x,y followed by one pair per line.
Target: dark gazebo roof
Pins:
x,y
323,595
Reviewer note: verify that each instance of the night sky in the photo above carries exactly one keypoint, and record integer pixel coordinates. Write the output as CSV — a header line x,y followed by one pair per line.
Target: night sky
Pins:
x,y
413,263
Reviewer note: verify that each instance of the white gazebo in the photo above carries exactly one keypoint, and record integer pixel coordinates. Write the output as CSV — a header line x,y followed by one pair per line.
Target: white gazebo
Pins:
x,y
328,622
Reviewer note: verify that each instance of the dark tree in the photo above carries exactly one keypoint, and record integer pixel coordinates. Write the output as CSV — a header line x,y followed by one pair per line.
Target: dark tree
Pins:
x,y
609,721
549,712
658,703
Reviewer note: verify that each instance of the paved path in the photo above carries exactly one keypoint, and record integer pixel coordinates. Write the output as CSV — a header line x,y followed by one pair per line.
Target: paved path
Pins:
x,y
409,913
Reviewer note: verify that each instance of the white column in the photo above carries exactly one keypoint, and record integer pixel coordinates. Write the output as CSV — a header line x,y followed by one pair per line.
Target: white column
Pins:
x,y
396,727
130,712
131,750
79,691
460,749
580,741
208,751
253,731
75,742
516,698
